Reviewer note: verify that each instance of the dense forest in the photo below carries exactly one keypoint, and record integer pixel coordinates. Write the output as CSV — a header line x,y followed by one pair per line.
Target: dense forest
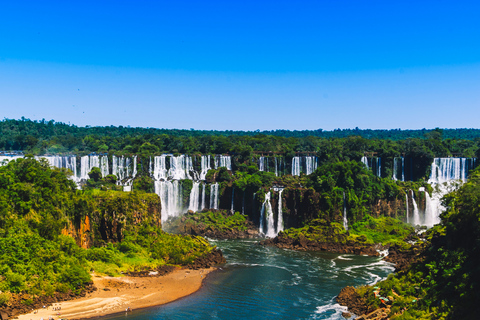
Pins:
x,y
40,137
52,236
445,283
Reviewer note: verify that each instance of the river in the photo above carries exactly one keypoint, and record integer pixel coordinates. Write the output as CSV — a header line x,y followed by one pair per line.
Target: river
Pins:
x,y
270,283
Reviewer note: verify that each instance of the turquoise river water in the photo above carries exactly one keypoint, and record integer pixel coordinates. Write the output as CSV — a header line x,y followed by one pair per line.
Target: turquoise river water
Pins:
x,y
270,283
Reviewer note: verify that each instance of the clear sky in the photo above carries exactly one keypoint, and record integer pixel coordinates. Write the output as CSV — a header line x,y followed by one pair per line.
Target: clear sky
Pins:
x,y
242,65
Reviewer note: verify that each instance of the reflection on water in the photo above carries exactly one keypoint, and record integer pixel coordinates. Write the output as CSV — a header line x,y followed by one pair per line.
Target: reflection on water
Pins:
x,y
270,283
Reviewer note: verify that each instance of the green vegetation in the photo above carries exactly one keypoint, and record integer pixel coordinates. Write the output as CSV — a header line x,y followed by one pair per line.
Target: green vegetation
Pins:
x,y
446,284
40,137
39,205
218,220
383,230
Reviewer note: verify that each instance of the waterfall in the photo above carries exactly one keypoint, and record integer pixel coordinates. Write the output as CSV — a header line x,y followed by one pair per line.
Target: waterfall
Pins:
x,y
446,175
345,220
261,163
88,162
406,198
170,193
203,197
416,214
223,161
194,197
296,166
180,167
280,213
232,210
431,208
310,164
160,168
395,169
266,215
379,167
365,162
403,169
214,196
67,162
276,167
205,166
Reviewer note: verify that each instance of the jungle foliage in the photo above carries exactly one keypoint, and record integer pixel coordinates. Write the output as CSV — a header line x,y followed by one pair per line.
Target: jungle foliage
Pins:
x,y
446,284
38,203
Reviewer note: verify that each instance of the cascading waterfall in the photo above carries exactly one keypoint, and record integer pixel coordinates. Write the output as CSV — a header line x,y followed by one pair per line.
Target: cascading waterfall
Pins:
x,y
194,197
170,193
266,216
446,175
205,166
223,161
403,169
310,164
214,196
68,162
280,226
276,167
261,164
296,166
124,170
396,169
416,214
202,206
406,199
345,220
365,162
379,167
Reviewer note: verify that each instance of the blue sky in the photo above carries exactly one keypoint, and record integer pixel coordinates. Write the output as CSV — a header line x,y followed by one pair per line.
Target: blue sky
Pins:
x,y
242,65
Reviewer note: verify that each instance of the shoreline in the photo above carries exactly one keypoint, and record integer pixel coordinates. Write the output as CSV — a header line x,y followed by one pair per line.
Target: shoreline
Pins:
x,y
115,294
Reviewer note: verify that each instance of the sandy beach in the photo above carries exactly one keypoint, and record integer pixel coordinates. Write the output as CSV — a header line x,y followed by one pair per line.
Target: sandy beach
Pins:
x,y
116,294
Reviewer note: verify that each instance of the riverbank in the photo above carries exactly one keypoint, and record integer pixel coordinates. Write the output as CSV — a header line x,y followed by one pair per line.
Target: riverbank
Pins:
x,y
116,294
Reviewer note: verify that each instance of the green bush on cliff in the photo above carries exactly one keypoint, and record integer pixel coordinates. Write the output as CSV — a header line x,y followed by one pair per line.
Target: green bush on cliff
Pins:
x,y
383,230
218,220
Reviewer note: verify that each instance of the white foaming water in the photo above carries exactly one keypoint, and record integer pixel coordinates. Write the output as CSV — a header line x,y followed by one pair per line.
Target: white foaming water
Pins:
x,y
88,162
214,196
447,174
310,165
335,307
125,169
205,166
68,162
261,164
170,193
345,220
202,206
280,212
266,215
406,202
295,166
396,161
416,214
365,162
194,197
379,167
223,161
